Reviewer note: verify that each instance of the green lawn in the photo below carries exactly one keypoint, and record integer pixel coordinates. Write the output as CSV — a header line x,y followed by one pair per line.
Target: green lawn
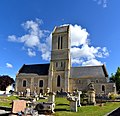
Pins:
x,y
62,107
90,110
6,101
62,103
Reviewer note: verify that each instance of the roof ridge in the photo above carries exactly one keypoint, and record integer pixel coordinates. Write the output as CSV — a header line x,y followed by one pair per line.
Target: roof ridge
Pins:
x,y
36,64
88,66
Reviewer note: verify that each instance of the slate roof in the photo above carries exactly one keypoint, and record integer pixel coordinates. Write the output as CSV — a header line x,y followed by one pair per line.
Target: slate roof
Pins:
x,y
40,69
88,71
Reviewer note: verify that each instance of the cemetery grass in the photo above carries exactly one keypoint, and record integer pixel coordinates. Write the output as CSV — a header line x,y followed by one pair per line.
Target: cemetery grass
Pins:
x,y
6,101
62,107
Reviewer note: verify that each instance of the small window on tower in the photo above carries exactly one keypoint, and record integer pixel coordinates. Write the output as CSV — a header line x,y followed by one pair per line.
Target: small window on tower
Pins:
x,y
61,64
56,64
61,41
58,42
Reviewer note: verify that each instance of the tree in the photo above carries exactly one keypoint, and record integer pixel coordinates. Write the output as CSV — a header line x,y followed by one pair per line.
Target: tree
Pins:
x,y
5,81
116,78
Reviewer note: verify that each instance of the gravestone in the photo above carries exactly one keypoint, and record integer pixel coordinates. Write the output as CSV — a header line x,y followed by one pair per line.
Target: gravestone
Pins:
x,y
51,97
45,107
73,103
48,90
28,92
18,106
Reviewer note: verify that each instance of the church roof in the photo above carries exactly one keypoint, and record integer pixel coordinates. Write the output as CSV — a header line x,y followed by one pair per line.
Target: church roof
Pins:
x,y
88,71
40,69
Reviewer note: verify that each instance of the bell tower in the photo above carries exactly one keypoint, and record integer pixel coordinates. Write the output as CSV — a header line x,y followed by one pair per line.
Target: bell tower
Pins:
x,y
60,63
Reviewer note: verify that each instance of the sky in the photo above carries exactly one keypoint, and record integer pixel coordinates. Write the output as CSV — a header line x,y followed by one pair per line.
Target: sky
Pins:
x,y
26,27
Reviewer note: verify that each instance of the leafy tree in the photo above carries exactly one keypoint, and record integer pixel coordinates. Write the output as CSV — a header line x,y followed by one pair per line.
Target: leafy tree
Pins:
x,y
5,81
116,78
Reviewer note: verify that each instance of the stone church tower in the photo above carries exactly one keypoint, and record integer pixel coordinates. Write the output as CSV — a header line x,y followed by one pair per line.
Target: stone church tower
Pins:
x,y
59,70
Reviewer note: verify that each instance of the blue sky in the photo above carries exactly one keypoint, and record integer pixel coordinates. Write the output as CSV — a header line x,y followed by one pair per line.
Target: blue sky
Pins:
x,y
26,26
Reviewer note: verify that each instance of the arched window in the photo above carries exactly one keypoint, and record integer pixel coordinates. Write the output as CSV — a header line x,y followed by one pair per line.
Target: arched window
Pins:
x,y
24,83
103,87
56,64
41,83
58,81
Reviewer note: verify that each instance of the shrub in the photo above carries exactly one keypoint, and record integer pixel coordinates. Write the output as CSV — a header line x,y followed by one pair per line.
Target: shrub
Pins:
x,y
112,96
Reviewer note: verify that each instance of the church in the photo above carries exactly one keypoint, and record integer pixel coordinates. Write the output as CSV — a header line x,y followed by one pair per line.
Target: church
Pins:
x,y
59,74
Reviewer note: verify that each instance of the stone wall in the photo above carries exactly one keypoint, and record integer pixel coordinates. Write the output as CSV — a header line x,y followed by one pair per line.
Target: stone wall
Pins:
x,y
32,83
82,84
109,87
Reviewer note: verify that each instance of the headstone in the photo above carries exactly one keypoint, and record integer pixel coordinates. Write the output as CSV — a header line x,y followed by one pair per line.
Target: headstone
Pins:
x,y
28,92
40,95
18,106
35,94
48,90
114,89
45,107
19,93
73,103
51,97
22,93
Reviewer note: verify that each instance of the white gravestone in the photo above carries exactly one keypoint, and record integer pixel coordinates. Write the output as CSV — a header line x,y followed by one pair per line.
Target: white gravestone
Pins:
x,y
28,92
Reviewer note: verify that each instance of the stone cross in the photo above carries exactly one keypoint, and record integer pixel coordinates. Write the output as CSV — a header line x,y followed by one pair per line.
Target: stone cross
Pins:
x,y
73,103
77,94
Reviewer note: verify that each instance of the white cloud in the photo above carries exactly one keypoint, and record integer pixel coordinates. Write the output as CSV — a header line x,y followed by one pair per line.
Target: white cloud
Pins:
x,y
31,53
78,35
102,2
8,65
35,38
12,38
40,40
81,51
91,62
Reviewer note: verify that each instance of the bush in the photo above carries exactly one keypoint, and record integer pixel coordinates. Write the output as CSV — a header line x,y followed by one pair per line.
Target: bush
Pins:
x,y
112,96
